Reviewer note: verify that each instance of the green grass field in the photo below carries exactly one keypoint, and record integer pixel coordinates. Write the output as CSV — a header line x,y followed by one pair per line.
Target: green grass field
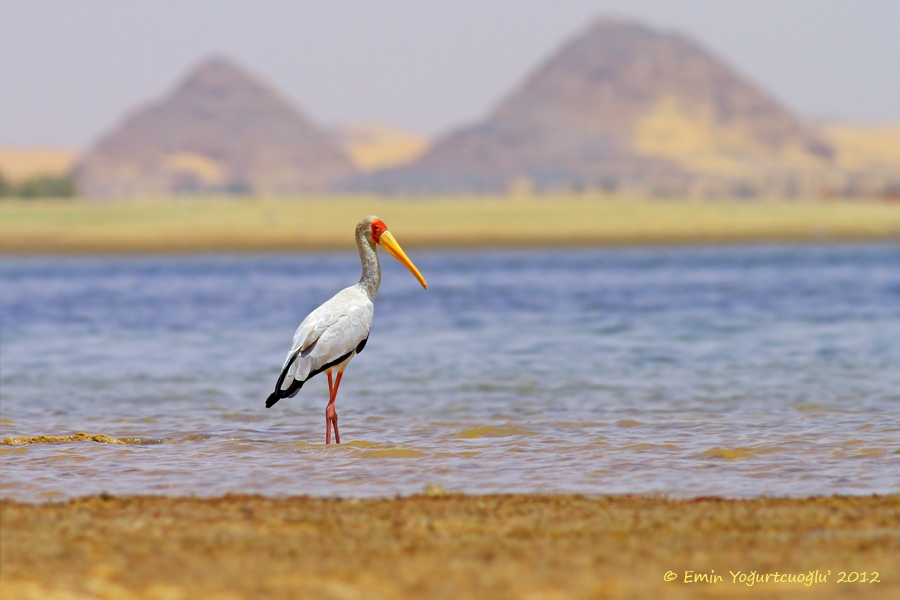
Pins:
x,y
326,223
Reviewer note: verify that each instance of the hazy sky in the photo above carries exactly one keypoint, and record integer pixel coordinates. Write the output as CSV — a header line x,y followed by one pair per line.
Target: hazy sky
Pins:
x,y
70,69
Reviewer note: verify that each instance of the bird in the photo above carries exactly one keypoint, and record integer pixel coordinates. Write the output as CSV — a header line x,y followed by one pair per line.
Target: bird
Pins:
x,y
331,335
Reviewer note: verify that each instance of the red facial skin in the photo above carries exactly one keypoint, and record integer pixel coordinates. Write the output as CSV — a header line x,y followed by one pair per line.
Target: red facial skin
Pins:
x,y
378,227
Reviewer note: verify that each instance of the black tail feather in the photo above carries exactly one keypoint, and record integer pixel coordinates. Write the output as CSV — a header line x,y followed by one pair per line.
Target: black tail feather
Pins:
x,y
279,393
295,386
272,399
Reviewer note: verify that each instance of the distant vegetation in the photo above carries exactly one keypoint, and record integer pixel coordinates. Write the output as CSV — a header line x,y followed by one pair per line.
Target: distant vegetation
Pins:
x,y
326,222
39,186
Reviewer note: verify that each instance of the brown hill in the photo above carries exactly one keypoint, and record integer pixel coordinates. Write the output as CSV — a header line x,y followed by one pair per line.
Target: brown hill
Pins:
x,y
220,130
623,107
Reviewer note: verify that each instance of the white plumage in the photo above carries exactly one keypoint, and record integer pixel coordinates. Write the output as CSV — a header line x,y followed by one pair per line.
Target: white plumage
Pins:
x,y
333,332
330,336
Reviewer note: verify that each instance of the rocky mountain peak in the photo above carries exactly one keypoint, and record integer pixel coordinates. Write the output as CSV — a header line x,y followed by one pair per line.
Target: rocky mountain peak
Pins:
x,y
220,130
622,106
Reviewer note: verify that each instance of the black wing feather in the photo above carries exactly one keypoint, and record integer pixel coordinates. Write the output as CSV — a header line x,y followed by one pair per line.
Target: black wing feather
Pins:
x,y
295,386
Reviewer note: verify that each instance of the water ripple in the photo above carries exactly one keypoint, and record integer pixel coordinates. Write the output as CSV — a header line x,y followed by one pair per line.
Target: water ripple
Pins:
x,y
731,371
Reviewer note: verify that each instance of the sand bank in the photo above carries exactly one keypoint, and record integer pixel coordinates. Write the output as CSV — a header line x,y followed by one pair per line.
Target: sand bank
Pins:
x,y
326,223
449,546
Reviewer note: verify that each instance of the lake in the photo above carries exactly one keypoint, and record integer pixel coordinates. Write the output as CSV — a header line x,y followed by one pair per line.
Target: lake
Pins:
x,y
739,371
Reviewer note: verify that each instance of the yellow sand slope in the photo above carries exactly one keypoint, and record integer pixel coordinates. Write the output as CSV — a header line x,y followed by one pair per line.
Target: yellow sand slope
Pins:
x,y
18,164
374,146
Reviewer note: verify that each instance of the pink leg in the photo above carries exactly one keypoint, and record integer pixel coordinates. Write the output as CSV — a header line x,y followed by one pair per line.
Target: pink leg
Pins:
x,y
330,401
331,417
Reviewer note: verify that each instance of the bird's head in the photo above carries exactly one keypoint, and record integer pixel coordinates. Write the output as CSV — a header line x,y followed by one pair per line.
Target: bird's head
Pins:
x,y
378,232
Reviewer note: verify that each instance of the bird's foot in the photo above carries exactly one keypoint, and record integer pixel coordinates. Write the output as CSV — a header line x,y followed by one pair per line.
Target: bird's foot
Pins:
x,y
331,418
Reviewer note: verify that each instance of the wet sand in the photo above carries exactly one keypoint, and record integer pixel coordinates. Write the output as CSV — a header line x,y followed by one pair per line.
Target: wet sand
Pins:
x,y
447,546
326,223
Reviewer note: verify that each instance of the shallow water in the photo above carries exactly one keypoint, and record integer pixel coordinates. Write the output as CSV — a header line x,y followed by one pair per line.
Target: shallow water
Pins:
x,y
736,371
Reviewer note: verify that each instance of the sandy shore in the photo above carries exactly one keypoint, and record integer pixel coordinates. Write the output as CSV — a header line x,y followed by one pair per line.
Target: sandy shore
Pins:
x,y
326,223
448,546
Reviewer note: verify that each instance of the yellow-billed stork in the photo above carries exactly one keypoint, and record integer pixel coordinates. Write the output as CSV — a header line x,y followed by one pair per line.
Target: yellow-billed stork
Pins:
x,y
330,336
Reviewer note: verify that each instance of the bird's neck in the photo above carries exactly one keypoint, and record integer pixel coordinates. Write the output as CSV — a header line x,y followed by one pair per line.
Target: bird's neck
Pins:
x,y
371,268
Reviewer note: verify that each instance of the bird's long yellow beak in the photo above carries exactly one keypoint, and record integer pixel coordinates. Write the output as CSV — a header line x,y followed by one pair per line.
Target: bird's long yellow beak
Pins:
x,y
390,244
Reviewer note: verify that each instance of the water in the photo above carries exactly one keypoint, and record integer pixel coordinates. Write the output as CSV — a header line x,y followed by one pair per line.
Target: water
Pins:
x,y
736,371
